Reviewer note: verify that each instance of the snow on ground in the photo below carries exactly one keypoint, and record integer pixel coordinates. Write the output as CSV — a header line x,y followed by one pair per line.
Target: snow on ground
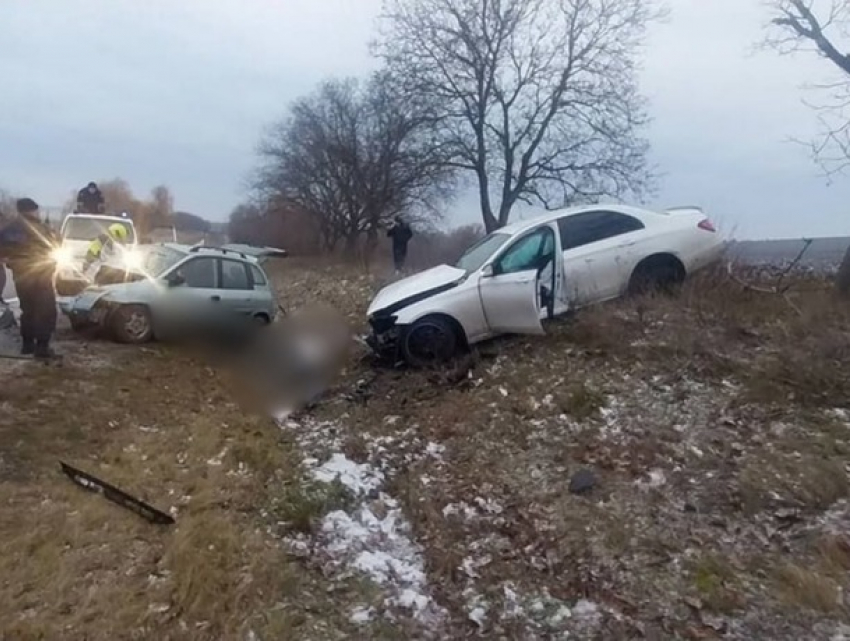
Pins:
x,y
373,539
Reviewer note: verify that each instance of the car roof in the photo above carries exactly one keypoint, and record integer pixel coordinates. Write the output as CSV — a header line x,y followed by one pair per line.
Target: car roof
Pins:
x,y
206,251
547,216
117,219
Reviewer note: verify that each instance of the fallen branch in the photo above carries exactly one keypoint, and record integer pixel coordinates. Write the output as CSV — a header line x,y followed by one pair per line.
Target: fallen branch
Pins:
x,y
776,289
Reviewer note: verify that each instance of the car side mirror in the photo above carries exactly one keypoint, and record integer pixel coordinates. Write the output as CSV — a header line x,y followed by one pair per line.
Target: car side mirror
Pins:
x,y
175,280
488,271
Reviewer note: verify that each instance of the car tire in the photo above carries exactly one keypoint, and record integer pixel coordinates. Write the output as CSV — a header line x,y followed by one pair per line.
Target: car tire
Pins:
x,y
78,324
656,275
132,324
430,341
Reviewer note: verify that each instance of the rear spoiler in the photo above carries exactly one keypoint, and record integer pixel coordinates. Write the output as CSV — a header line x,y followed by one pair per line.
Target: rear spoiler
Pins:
x,y
684,209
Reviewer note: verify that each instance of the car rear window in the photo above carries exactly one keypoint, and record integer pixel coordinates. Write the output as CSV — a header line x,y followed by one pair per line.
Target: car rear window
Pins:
x,y
234,275
257,275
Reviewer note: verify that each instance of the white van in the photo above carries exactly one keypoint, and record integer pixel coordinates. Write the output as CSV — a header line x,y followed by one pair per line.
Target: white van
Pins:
x,y
78,231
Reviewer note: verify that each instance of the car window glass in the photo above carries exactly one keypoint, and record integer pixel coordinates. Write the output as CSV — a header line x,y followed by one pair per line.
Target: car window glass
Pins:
x,y
257,275
199,272
474,257
591,227
234,275
525,253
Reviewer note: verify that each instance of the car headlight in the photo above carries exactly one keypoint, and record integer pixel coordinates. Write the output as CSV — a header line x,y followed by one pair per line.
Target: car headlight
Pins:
x,y
63,257
132,259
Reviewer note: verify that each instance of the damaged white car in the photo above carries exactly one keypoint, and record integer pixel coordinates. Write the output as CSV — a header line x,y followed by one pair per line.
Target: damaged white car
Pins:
x,y
178,290
535,269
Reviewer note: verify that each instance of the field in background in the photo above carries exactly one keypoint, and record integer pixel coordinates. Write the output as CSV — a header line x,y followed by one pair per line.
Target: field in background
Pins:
x,y
715,425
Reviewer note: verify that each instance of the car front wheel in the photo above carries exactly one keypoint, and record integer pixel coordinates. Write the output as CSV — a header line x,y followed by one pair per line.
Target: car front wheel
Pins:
x,y
430,341
132,324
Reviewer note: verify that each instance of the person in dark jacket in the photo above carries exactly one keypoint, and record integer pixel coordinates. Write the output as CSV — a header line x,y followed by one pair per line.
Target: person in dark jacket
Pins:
x,y
90,200
401,234
26,244
2,265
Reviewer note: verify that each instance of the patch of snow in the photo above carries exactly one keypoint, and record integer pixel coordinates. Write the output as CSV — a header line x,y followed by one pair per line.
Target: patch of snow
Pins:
x,y
656,479
359,478
488,505
461,508
560,615
361,615
471,565
381,548
435,449
478,615
374,538
586,610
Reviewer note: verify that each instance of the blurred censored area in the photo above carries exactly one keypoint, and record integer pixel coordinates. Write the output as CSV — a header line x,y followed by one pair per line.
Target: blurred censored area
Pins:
x,y
285,367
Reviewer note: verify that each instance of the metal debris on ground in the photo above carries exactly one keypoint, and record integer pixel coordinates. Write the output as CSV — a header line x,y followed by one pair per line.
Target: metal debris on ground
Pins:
x,y
119,497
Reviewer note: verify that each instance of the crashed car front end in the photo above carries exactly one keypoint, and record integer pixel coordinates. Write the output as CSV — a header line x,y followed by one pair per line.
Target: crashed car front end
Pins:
x,y
90,307
384,339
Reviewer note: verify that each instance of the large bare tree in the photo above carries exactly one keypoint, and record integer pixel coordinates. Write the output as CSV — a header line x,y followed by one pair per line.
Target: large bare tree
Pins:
x,y
538,98
817,26
353,155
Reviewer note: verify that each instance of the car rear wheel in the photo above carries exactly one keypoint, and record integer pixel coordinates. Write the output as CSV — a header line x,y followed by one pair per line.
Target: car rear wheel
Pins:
x,y
430,341
79,324
132,324
657,274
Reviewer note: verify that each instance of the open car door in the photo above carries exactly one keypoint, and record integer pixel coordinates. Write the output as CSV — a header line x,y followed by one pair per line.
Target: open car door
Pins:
x,y
510,286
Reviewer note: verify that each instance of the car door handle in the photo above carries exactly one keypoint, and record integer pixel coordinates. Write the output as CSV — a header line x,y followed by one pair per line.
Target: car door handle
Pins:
x,y
215,299
629,244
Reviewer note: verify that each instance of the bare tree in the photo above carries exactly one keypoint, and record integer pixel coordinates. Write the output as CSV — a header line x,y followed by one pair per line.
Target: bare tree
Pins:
x,y
538,98
812,26
353,155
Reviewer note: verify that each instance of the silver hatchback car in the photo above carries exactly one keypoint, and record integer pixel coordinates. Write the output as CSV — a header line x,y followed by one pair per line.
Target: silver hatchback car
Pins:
x,y
176,291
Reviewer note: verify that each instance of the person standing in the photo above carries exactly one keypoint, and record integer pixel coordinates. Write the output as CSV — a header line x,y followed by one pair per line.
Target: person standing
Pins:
x,y
2,264
90,200
401,233
27,244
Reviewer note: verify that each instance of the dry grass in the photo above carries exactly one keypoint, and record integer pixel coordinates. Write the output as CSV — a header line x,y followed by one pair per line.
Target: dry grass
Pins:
x,y
163,427
803,587
686,408
716,582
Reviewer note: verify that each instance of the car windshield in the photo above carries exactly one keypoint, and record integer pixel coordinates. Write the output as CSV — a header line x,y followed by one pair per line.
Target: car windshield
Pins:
x,y
78,228
477,255
159,259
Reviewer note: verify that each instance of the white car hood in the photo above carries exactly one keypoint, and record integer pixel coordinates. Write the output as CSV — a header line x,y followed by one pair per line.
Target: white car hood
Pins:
x,y
418,285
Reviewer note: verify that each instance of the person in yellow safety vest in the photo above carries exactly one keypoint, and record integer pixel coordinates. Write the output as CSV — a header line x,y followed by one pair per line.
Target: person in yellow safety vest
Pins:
x,y
104,244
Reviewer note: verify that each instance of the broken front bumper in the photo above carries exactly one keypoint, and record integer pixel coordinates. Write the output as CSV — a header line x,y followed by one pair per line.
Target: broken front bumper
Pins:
x,y
384,339
84,309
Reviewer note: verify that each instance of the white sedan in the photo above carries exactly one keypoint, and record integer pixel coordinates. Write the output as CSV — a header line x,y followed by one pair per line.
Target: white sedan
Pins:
x,y
535,269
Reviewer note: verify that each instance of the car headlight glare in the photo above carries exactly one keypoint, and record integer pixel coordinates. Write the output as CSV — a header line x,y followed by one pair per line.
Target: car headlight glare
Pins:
x,y
62,256
132,259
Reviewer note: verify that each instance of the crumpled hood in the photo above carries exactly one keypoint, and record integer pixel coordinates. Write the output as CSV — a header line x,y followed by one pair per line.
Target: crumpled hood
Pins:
x,y
416,287
119,293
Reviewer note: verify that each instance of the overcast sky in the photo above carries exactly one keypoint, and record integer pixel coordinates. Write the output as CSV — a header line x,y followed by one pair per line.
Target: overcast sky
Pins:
x,y
178,92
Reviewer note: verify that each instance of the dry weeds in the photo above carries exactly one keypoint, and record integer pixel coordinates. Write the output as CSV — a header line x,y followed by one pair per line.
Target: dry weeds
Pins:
x,y
716,422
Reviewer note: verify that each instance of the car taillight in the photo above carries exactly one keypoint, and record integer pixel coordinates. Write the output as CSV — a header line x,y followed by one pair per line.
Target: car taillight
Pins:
x,y
707,225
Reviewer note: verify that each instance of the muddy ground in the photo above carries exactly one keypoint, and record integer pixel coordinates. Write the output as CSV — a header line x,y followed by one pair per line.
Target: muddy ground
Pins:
x,y
659,469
